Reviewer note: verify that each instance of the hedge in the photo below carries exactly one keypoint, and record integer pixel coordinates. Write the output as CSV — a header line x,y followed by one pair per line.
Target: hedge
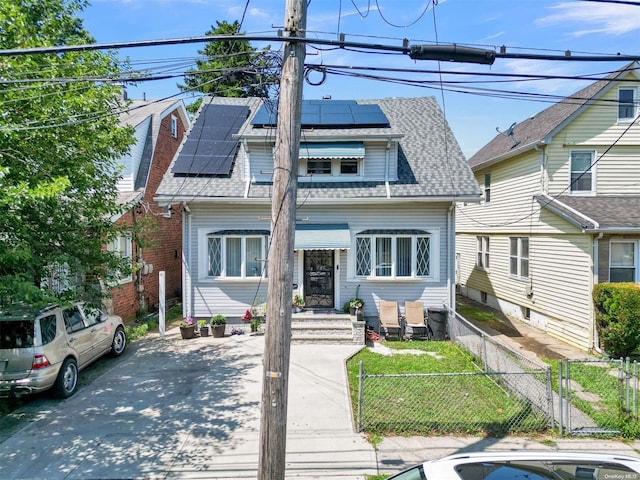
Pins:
x,y
618,317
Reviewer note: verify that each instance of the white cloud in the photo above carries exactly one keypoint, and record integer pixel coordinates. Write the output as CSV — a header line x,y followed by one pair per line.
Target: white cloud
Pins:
x,y
594,18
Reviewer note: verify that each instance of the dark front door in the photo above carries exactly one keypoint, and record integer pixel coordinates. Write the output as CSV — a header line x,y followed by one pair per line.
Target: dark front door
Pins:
x,y
318,278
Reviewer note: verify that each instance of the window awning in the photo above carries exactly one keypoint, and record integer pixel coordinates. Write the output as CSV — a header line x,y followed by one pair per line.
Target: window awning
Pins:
x,y
332,150
322,236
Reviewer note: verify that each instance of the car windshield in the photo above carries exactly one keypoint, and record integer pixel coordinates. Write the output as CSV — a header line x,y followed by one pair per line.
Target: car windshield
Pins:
x,y
543,470
16,334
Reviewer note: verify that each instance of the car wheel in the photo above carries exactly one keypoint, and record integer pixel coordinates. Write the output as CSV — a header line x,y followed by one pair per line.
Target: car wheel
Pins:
x,y
119,342
67,381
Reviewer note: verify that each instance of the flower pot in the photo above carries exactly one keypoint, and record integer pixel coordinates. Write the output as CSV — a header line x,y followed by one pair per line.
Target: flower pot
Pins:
x,y
204,331
352,310
218,330
297,309
188,332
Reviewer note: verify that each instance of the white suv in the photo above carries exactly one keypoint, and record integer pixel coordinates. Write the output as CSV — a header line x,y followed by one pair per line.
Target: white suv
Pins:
x,y
526,465
42,349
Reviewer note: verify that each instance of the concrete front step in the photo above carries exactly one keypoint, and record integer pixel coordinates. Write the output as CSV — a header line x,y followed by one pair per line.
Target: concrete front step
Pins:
x,y
313,328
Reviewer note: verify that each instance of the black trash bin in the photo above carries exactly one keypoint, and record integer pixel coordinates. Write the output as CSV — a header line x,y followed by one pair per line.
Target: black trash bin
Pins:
x,y
438,322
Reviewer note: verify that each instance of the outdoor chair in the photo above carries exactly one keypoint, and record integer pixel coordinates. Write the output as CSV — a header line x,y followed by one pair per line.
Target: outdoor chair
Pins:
x,y
389,320
414,317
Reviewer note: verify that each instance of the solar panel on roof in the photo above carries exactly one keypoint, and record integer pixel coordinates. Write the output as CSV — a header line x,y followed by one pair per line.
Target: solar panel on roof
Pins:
x,y
328,114
210,147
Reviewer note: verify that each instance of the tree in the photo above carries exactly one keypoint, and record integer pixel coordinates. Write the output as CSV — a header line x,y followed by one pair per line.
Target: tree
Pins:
x,y
59,145
232,68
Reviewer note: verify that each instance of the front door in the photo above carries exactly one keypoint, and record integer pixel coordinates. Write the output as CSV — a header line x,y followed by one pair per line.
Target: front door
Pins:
x,y
318,278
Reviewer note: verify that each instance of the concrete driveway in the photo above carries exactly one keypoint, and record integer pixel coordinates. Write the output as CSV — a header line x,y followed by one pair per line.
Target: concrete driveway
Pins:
x,y
174,408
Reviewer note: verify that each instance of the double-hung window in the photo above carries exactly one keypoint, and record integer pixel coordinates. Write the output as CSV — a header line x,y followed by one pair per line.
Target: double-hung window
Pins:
x,y
623,262
487,187
397,254
122,246
236,255
519,257
174,126
482,260
582,175
627,104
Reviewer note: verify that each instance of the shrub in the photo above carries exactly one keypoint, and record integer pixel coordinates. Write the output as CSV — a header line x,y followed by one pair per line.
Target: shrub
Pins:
x,y
618,317
218,319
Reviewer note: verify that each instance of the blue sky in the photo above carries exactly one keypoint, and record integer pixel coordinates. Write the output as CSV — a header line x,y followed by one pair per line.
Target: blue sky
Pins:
x,y
523,26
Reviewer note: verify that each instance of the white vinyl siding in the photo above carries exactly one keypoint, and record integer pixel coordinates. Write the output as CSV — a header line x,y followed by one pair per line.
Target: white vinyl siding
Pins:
x,y
207,295
378,164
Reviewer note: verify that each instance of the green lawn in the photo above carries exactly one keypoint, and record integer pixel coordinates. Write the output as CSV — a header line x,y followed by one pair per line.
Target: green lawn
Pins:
x,y
435,404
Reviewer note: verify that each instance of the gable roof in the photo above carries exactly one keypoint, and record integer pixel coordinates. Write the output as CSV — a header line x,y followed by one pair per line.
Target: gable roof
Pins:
x,y
431,163
138,112
541,127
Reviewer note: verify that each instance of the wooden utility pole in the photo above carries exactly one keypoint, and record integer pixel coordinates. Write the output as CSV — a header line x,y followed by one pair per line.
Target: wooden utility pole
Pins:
x,y
273,420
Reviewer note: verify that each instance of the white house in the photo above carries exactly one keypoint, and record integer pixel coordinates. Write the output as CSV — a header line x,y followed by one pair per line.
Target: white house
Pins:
x,y
378,184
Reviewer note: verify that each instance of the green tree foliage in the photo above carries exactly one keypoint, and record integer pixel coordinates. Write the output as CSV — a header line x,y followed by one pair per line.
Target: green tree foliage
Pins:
x,y
59,142
232,68
618,317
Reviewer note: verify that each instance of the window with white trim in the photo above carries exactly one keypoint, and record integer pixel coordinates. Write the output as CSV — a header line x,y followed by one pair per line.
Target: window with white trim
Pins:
x,y
623,261
174,126
123,247
627,104
394,255
519,257
482,260
581,176
487,187
236,256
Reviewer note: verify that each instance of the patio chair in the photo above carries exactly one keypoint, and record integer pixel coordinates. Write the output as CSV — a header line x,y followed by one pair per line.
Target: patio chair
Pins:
x,y
415,318
389,321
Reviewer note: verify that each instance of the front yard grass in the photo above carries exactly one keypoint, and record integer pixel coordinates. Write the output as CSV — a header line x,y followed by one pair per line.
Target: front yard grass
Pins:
x,y
462,402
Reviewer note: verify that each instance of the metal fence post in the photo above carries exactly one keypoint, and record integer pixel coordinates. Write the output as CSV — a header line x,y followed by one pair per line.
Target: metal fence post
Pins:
x,y
560,402
628,383
360,399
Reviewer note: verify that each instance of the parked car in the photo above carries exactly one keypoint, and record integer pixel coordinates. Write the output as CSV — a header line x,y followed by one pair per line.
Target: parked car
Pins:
x,y
42,349
529,465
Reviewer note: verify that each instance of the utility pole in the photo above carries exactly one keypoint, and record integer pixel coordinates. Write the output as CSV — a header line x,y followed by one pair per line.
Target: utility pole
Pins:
x,y
275,386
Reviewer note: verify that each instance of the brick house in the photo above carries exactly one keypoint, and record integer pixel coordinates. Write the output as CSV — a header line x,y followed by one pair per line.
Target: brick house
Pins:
x,y
159,130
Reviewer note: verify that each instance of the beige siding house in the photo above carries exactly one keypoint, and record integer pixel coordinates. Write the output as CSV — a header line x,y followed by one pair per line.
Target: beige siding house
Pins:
x,y
561,210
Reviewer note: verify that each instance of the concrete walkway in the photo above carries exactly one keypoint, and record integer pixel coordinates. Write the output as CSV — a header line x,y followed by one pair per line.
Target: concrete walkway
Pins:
x,y
178,408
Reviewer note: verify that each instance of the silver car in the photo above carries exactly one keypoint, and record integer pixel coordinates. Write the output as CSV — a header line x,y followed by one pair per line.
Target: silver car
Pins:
x,y
526,465
42,349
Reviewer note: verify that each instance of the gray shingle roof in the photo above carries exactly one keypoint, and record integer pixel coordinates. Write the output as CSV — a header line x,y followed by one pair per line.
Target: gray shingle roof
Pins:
x,y
615,213
431,163
537,128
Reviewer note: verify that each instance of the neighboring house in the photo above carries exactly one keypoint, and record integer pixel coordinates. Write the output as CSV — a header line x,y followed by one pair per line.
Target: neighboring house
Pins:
x,y
378,182
159,130
561,210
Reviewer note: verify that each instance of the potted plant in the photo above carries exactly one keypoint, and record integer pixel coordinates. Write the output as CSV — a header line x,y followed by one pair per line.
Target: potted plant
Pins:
x,y
247,317
255,325
218,324
298,303
355,305
203,328
188,328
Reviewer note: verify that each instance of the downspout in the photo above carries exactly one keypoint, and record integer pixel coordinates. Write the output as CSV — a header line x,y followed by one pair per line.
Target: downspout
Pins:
x,y
186,255
247,169
596,280
387,154
450,256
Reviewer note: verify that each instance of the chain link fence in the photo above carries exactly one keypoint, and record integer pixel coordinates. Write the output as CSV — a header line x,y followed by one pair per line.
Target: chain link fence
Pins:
x,y
511,394
598,397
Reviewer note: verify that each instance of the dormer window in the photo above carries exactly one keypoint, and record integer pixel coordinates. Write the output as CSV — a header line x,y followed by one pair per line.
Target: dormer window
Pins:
x,y
333,159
